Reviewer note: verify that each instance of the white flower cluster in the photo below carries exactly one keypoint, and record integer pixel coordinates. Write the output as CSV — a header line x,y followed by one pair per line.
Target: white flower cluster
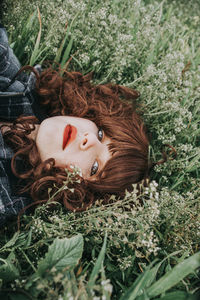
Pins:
x,y
150,241
125,262
106,285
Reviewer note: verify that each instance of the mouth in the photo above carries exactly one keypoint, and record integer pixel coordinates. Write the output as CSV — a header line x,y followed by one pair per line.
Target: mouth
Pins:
x,y
69,135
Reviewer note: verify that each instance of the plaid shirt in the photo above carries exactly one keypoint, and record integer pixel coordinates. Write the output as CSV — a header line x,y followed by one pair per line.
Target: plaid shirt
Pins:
x,y
16,98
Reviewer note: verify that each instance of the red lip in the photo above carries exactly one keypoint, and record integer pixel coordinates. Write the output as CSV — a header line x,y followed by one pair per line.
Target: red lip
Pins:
x,y
69,135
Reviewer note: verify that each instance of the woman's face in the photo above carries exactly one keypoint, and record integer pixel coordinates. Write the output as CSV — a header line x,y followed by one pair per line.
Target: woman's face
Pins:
x,y
73,142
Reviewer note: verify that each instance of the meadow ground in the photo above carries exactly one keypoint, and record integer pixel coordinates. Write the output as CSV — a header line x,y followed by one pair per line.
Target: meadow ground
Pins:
x,y
148,251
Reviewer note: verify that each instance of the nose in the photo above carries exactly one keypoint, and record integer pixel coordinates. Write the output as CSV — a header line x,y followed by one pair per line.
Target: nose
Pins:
x,y
88,140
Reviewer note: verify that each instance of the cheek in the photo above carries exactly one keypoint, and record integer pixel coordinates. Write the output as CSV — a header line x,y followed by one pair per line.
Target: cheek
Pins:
x,y
47,141
45,147
82,162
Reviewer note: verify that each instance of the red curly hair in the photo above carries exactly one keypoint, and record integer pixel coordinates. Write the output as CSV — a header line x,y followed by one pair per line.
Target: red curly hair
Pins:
x,y
111,107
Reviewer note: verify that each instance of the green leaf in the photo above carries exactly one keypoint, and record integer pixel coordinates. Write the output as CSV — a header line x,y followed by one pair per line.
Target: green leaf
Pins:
x,y
11,242
175,275
140,283
8,271
62,253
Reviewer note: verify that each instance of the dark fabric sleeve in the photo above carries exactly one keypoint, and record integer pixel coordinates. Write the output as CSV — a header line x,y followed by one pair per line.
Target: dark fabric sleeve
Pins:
x,y
9,64
17,95
10,204
15,99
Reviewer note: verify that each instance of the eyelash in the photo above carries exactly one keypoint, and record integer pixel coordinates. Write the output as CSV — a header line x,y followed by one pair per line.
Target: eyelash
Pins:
x,y
100,138
95,166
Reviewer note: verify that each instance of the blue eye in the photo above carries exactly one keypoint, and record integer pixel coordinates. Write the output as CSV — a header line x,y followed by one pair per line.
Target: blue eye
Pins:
x,y
100,134
94,168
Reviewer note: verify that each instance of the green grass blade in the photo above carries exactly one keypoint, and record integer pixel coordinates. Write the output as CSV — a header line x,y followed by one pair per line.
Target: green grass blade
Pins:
x,y
69,46
194,163
141,282
179,295
137,287
98,264
35,53
175,275
178,182
67,52
20,43
60,50
29,23
144,280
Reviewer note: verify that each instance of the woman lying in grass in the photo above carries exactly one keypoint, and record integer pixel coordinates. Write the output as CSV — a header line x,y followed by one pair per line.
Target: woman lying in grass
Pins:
x,y
53,124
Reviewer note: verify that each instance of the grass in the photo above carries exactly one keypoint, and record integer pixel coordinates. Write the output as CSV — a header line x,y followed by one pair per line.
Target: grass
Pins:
x,y
149,251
